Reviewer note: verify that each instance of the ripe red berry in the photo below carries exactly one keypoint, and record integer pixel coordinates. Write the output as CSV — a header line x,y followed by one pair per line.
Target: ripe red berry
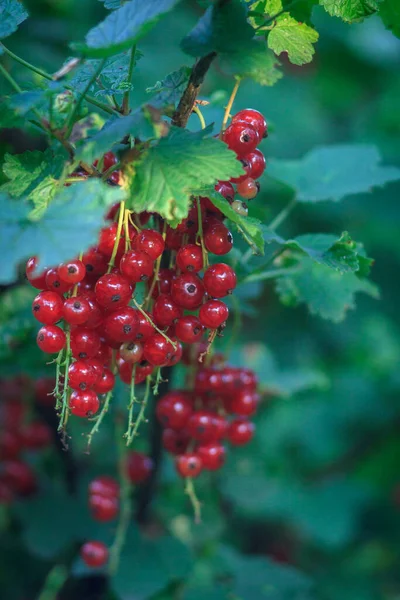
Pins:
x,y
226,189
10,444
140,467
113,291
213,314
35,276
109,160
19,477
187,291
212,456
243,403
72,272
85,343
188,465
55,283
51,339
218,239
84,404
76,310
131,352
176,354
248,188
95,314
136,266
157,350
256,164
202,427
94,554
47,307
108,239
81,375
219,280
240,432
253,118
174,409
122,325
165,311
104,486
105,383
103,508
241,138
163,284
44,387
36,435
95,263
151,242
189,329
190,258
175,441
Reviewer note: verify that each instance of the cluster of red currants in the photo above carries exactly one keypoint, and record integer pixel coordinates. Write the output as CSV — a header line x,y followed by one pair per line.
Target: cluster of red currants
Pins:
x,y
20,434
103,496
197,421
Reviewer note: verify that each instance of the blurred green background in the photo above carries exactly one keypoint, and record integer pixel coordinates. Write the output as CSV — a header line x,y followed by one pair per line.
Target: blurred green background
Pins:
x,y
316,489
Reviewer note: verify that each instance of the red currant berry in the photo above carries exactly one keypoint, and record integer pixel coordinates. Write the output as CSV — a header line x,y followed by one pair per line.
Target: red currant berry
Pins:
x,y
253,118
19,477
51,339
219,280
226,189
72,272
243,403
82,375
202,427
190,258
85,343
151,242
47,308
157,350
163,284
106,382
145,330
36,435
136,266
213,314
122,325
94,554
108,239
10,444
103,508
113,291
109,160
142,372
218,239
187,291
189,329
241,138
190,224
246,167
131,352
240,432
76,310
84,404
95,263
248,188
165,311
176,354
256,164
35,276
212,456
174,410
104,486
175,442
140,467
95,313
55,284
114,177
188,465
173,239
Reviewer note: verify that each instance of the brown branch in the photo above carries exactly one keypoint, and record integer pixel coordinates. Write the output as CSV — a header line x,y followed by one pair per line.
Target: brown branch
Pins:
x,y
186,103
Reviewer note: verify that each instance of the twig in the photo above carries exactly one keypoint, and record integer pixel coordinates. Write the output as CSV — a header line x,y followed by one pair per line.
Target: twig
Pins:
x,y
132,433
55,580
75,112
99,420
229,105
125,100
191,492
282,216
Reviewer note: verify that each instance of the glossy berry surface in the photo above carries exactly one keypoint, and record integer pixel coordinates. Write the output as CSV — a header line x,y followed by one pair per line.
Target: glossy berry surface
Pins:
x,y
84,403
157,350
94,554
188,465
139,467
151,242
131,352
241,138
35,275
72,272
240,432
212,456
253,118
226,189
201,426
175,441
51,339
189,329
103,508
244,403
47,307
218,239
112,291
187,291
166,311
213,314
105,383
219,280
81,375
248,188
190,258
174,410
105,486
55,283
76,310
85,343
136,266
255,164
122,325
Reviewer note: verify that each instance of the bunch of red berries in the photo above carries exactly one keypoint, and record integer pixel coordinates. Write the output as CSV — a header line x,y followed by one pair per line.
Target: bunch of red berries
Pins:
x,y
20,434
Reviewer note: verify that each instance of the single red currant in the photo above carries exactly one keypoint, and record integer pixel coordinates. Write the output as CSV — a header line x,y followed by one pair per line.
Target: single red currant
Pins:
x,y
219,280
151,242
241,138
176,354
165,311
202,427
131,352
95,314
72,272
76,310
190,258
174,410
188,465
84,404
122,325
189,329
10,444
256,164
47,307
103,508
163,284
136,266
36,435
248,188
105,486
140,467
19,477
82,375
212,456
94,554
35,276
243,403
85,343
218,239
95,263
187,291
226,189
240,432
213,314
175,442
113,291
106,382
253,118
157,350
108,239
51,339
55,283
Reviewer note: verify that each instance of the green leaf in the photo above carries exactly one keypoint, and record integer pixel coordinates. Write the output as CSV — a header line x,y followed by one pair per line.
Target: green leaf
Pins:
x,y
123,28
254,61
12,14
333,172
389,11
25,101
327,293
34,175
112,4
177,167
297,39
247,226
69,226
170,89
148,565
350,10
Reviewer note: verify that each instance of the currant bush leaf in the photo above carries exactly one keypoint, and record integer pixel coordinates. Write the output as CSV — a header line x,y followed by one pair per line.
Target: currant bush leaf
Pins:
x,y
327,293
389,11
112,4
69,226
175,168
333,172
350,10
123,28
12,14
255,61
170,89
297,39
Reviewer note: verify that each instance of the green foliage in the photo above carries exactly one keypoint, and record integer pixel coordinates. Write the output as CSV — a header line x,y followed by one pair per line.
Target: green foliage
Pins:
x,y
172,170
350,10
297,39
171,88
389,11
69,226
12,14
123,28
332,173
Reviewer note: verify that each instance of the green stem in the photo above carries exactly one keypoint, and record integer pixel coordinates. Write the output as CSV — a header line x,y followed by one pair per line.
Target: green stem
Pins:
x,y
141,416
10,79
54,582
70,123
156,272
282,216
200,234
125,101
229,105
200,115
99,420
118,236
113,168
65,394
132,401
191,492
144,313
271,274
